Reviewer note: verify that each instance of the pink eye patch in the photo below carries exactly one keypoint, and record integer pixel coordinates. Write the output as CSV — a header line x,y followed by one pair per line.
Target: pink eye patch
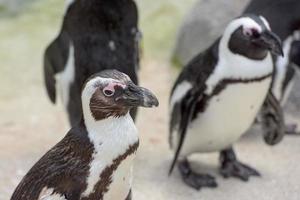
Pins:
x,y
109,90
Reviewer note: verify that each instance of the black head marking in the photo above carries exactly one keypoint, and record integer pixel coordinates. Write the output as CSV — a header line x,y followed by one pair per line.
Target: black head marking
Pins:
x,y
242,45
115,94
254,42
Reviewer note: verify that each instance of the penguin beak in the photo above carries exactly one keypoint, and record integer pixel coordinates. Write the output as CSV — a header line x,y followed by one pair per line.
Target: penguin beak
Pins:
x,y
135,96
270,41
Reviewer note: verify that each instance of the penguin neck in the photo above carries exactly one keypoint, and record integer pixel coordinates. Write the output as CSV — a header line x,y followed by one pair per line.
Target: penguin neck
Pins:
x,y
111,128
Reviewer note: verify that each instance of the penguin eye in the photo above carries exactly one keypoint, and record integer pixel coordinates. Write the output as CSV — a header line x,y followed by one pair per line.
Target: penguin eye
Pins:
x,y
251,32
108,92
255,33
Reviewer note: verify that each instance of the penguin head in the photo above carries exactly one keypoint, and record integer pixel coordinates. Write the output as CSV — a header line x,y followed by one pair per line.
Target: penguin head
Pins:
x,y
250,36
112,93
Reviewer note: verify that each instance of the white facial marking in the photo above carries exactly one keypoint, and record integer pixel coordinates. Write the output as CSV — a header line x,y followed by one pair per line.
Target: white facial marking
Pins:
x,y
47,194
265,22
66,77
179,92
90,89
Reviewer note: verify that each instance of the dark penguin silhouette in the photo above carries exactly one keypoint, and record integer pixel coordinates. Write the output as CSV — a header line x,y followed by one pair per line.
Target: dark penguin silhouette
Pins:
x,y
95,35
284,18
94,160
217,96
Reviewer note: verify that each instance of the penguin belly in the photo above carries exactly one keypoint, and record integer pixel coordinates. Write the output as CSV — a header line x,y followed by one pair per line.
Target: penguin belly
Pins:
x,y
121,180
227,116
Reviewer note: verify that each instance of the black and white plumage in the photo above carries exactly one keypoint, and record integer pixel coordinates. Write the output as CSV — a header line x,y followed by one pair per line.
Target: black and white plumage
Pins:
x,y
95,35
218,94
94,160
284,18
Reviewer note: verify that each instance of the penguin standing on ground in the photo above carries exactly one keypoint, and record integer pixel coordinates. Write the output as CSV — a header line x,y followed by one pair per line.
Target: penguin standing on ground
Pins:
x,y
284,18
217,96
95,35
94,160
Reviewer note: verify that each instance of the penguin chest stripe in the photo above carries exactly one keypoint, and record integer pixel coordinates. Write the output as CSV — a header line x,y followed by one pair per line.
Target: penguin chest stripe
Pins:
x,y
102,186
203,103
222,85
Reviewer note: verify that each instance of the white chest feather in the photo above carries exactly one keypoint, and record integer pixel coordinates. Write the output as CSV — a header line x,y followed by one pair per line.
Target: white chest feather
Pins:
x,y
111,138
47,194
65,78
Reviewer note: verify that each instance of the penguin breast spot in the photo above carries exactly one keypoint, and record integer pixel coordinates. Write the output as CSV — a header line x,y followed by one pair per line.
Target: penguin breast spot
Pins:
x,y
112,45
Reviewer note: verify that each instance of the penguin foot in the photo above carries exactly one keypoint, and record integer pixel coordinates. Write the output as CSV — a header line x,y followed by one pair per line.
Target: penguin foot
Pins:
x,y
291,129
231,167
195,180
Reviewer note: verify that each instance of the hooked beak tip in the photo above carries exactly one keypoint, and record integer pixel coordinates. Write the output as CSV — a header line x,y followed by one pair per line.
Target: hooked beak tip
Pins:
x,y
150,101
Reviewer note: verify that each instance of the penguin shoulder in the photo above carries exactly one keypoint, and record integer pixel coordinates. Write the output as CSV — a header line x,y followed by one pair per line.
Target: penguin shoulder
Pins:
x,y
61,170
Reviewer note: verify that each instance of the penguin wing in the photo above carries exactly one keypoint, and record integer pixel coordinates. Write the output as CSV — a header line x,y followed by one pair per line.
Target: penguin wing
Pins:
x,y
55,59
196,74
57,174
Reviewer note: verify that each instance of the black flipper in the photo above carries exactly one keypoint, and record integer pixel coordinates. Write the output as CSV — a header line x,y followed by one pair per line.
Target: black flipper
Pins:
x,y
272,120
187,113
196,73
55,59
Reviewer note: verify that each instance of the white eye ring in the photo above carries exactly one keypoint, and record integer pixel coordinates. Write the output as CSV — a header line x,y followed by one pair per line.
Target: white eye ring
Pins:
x,y
108,92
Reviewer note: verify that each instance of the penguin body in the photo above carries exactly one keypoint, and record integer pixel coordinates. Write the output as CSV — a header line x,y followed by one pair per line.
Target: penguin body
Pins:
x,y
217,96
285,68
91,33
94,160
284,18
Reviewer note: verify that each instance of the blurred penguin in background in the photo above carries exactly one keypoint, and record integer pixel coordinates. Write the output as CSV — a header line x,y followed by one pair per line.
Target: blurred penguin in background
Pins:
x,y
96,35
282,15
284,18
217,96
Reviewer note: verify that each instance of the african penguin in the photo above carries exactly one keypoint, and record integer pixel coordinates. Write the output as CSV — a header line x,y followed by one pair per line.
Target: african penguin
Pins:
x,y
95,35
284,18
94,160
217,96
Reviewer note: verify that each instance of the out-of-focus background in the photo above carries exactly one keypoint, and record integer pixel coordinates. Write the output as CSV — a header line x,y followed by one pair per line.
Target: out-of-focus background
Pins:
x,y
30,124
